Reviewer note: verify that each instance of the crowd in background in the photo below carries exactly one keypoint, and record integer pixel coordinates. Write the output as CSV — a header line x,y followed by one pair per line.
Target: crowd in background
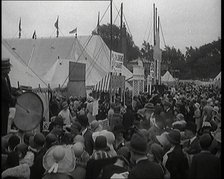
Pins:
x,y
173,134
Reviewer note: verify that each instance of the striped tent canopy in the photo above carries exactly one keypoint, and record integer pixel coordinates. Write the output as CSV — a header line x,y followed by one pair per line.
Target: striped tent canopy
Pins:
x,y
104,84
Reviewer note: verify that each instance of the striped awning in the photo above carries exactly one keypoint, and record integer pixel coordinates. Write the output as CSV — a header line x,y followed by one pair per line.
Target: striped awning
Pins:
x,y
103,84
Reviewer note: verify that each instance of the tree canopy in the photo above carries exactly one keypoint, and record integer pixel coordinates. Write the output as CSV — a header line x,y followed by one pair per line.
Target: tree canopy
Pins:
x,y
197,63
104,31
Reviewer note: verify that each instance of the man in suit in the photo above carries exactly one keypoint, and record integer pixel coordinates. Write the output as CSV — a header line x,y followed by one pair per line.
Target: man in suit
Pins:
x,y
205,164
86,133
192,145
7,100
143,168
174,160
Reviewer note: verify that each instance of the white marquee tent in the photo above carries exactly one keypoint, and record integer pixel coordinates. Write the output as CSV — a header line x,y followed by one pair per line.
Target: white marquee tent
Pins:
x,y
44,55
167,77
20,72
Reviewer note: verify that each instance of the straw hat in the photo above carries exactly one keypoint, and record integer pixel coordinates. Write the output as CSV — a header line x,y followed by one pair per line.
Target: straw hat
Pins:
x,y
59,159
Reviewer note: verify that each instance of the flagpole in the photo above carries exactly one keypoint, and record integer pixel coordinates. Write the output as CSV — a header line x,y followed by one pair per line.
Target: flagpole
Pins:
x,y
20,28
111,45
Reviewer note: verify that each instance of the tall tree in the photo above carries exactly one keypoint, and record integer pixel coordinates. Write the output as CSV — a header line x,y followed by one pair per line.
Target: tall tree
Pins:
x,y
133,51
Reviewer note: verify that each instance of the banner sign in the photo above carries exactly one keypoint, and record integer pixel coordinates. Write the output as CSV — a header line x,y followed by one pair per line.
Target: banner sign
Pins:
x,y
117,61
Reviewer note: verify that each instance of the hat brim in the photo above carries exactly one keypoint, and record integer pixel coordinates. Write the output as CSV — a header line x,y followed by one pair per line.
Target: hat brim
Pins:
x,y
136,151
171,140
66,165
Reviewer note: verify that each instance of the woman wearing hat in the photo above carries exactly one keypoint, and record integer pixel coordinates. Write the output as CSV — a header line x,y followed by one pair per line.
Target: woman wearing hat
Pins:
x,y
174,160
59,162
99,158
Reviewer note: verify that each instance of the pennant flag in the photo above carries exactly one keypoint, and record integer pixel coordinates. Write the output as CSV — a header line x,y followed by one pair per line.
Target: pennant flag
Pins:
x,y
73,31
56,24
98,23
20,28
34,35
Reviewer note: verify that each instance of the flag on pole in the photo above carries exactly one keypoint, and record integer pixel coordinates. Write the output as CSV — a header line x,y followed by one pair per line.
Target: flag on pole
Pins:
x,y
73,31
56,24
98,23
20,28
34,35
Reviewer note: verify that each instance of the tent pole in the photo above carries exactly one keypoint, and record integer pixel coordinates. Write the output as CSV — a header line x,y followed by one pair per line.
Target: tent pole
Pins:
x,y
110,45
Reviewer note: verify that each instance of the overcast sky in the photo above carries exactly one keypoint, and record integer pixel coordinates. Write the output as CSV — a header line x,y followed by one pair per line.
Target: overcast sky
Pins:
x,y
184,22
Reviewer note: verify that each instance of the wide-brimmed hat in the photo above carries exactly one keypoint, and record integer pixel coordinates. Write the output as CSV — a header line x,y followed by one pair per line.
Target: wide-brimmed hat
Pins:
x,y
138,144
78,149
79,138
6,63
59,159
174,136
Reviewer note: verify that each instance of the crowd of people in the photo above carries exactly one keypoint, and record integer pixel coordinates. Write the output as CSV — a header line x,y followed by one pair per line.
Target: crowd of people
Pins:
x,y
174,134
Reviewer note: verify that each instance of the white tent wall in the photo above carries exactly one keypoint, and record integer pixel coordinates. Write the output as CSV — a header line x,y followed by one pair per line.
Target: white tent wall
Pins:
x,y
167,77
20,72
42,54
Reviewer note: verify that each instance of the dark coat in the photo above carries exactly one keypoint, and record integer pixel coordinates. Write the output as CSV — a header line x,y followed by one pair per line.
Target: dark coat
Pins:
x,y
109,170
57,176
89,143
169,117
6,101
37,170
93,168
128,119
146,169
194,147
205,165
177,163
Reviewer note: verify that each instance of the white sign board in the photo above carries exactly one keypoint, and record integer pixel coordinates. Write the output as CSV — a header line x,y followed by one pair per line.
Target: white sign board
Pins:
x,y
117,61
